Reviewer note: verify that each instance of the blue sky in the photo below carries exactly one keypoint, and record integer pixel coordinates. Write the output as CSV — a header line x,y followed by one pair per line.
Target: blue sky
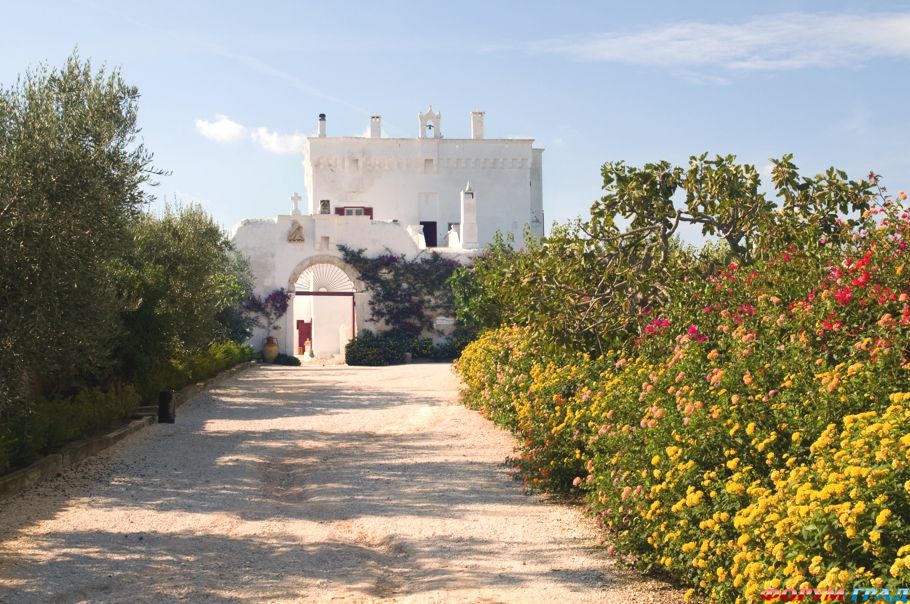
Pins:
x,y
228,88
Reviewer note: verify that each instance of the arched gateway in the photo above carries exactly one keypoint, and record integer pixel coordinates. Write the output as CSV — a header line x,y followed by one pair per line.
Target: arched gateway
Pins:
x,y
323,312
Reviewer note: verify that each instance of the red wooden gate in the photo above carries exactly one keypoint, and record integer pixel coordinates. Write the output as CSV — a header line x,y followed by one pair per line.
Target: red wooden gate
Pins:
x,y
304,333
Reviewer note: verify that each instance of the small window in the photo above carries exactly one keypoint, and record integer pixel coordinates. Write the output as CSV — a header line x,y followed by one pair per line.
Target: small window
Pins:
x,y
353,211
324,242
428,165
325,207
355,163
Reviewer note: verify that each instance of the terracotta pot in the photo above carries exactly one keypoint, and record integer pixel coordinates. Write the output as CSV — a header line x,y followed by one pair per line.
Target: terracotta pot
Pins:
x,y
270,350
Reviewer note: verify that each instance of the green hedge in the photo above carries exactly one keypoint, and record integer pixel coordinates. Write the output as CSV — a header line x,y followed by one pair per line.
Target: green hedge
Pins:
x,y
43,425
373,350
191,368
389,348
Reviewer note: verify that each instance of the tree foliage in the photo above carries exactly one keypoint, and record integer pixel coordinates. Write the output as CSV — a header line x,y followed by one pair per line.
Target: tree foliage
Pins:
x,y
94,292
602,276
178,279
71,176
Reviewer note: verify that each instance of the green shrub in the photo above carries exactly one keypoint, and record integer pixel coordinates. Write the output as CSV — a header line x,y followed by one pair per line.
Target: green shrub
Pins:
x,y
373,350
449,349
192,368
44,425
286,359
389,348
422,348
752,434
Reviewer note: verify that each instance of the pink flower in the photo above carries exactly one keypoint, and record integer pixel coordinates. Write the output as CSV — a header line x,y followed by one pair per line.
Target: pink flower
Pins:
x,y
862,280
577,481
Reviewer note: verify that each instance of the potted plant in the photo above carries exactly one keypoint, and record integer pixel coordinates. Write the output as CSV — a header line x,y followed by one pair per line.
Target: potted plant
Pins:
x,y
268,310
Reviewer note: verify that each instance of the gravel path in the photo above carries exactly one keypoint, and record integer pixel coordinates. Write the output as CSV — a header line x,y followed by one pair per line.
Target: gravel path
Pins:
x,y
308,484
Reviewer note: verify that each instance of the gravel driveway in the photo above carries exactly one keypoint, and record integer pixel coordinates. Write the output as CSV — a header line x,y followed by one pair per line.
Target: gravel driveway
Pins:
x,y
289,484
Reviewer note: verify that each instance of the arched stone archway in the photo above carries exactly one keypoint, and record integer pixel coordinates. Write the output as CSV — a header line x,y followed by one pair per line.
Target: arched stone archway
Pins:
x,y
327,295
306,263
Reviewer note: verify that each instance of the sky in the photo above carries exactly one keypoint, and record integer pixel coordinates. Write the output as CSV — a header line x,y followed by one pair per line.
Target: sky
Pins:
x,y
229,89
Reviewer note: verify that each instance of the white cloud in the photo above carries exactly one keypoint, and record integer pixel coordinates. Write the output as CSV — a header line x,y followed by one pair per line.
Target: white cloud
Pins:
x,y
225,130
274,142
222,130
769,43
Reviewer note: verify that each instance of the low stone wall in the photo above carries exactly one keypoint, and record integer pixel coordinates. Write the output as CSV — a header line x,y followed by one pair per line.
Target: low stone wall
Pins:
x,y
76,452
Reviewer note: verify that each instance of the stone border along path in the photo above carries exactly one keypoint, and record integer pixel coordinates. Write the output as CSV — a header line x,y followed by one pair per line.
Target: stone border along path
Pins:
x,y
287,484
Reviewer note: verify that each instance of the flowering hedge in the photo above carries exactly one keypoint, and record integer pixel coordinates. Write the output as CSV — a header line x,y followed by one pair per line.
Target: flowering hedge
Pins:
x,y
753,435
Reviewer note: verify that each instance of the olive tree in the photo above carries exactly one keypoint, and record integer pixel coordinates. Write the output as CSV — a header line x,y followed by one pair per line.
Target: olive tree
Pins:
x,y
72,170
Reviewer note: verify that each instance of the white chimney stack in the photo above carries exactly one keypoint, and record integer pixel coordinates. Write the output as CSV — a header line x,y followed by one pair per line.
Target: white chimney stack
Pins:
x,y
320,128
375,126
469,239
477,124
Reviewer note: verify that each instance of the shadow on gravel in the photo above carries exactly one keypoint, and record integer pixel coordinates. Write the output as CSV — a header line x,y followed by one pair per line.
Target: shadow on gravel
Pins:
x,y
258,470
224,569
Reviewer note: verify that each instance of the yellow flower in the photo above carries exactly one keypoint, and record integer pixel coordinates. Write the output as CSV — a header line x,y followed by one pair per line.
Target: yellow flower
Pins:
x,y
882,518
655,460
734,488
733,463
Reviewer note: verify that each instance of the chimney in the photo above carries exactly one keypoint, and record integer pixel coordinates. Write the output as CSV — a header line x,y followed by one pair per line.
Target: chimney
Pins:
x,y
320,128
375,126
477,124
469,240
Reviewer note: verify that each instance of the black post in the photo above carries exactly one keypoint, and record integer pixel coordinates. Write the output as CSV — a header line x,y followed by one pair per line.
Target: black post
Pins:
x,y
167,411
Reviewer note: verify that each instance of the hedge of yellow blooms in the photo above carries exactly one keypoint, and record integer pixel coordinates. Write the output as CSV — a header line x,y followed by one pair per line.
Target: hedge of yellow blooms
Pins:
x,y
755,433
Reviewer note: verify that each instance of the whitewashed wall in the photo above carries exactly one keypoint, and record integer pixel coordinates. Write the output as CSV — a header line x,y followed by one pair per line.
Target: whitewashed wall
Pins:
x,y
414,180
277,262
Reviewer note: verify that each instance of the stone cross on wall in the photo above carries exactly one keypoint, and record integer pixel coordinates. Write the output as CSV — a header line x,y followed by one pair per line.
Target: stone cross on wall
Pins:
x,y
295,199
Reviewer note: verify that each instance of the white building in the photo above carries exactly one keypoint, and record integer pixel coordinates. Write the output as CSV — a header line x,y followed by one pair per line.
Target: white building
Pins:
x,y
387,195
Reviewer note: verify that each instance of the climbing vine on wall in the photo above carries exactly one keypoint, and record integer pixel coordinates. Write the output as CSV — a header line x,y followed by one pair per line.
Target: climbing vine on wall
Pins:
x,y
405,294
